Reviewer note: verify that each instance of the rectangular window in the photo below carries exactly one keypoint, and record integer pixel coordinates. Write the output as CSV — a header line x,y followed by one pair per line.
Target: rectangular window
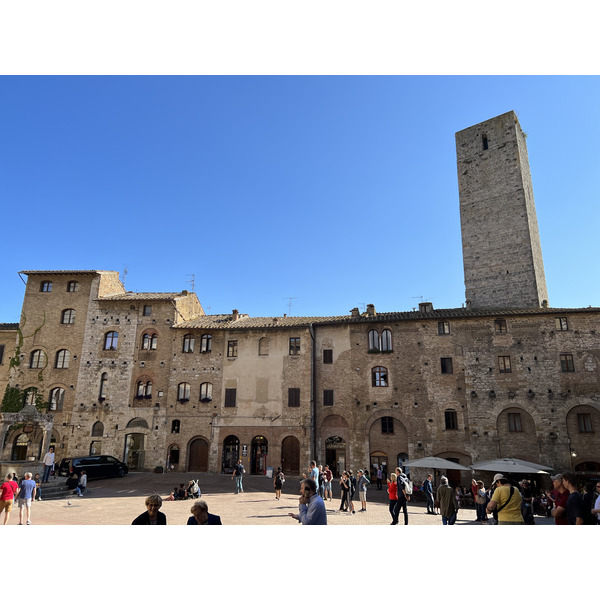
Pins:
x,y
514,423
561,323
451,419
294,346
446,366
584,423
443,327
504,364
147,310
294,397
46,286
327,357
500,326
230,397
232,348
566,363
387,424
327,397
72,286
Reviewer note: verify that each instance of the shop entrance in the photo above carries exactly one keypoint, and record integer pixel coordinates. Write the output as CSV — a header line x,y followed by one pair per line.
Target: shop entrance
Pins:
x,y
258,457
335,454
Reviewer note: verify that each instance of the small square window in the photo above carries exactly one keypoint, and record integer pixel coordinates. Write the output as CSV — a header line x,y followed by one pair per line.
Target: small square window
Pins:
x,y
230,397
327,397
514,423
561,323
147,310
443,327
500,326
584,423
446,364
294,397
504,364
566,363
327,357
294,346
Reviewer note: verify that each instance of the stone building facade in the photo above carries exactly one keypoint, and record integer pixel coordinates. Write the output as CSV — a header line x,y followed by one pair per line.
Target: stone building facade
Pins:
x,y
153,380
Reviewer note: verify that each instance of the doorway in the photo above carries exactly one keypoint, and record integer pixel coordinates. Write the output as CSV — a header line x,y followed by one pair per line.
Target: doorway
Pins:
x,y
290,455
198,456
20,446
231,453
258,457
335,454
135,444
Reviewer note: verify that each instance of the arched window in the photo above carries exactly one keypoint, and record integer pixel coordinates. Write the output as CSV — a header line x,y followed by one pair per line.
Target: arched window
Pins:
x,y
373,340
263,346
57,396
111,339
143,389
98,429
37,359
183,392
149,341
175,426
379,376
385,341
206,392
138,422
188,343
62,359
30,394
206,346
103,385
68,316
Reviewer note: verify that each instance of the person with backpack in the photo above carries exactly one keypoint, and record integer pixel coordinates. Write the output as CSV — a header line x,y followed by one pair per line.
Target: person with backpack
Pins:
x,y
404,491
238,471
506,502
278,482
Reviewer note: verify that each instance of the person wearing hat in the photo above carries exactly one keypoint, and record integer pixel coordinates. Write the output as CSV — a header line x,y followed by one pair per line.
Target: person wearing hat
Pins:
x,y
448,503
559,498
506,501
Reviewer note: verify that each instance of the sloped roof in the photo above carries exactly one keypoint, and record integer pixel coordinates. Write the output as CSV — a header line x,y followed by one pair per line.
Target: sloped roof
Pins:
x,y
9,326
145,296
245,322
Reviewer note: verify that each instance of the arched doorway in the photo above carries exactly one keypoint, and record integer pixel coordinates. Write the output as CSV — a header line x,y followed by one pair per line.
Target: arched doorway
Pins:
x,y
377,460
231,453
173,458
290,455
135,444
335,454
258,455
198,455
20,446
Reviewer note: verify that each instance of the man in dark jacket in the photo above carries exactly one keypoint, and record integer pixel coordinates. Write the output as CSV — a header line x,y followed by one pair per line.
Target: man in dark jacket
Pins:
x,y
201,516
428,489
448,503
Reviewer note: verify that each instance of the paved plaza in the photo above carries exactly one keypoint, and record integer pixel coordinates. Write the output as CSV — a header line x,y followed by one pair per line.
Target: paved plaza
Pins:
x,y
118,501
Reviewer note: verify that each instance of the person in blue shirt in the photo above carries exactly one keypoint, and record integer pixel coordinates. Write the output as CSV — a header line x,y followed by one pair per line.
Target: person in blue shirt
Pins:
x,y
26,496
311,506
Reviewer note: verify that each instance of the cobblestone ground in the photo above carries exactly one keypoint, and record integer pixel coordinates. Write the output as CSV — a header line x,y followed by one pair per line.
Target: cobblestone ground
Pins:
x,y
119,501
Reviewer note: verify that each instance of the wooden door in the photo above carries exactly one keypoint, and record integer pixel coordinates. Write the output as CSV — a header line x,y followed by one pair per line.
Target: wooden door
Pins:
x,y
198,456
290,456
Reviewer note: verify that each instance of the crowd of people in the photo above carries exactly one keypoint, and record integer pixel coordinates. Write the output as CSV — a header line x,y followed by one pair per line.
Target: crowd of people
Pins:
x,y
24,492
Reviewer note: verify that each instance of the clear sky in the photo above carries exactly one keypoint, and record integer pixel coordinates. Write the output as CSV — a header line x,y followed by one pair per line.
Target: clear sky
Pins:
x,y
332,191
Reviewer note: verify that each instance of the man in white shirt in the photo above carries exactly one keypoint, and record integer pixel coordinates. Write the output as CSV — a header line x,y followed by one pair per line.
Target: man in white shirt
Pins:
x,y
48,463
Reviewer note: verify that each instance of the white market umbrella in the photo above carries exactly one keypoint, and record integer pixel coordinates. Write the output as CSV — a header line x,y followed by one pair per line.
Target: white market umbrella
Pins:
x,y
434,462
511,465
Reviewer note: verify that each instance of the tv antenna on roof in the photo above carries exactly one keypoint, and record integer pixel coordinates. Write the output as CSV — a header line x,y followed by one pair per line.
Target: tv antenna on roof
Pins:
x,y
289,304
124,275
192,280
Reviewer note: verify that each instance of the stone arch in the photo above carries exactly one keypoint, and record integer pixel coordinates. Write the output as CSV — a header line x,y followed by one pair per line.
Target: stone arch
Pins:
x,y
517,436
335,438
387,436
137,422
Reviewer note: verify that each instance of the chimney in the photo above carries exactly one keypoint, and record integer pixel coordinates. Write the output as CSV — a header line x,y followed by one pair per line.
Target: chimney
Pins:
x,y
354,312
235,315
425,307
371,310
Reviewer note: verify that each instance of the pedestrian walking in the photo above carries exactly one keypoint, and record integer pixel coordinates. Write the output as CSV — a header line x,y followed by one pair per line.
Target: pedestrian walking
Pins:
x,y
446,498
393,496
428,489
25,497
278,482
238,472
7,496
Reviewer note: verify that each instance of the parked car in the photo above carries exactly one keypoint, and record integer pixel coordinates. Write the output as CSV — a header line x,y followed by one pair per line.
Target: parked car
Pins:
x,y
101,465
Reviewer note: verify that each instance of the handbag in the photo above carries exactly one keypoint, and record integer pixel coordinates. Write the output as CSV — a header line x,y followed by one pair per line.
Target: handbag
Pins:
x,y
499,508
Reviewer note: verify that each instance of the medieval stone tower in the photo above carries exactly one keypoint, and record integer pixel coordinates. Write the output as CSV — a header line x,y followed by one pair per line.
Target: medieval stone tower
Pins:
x,y
502,254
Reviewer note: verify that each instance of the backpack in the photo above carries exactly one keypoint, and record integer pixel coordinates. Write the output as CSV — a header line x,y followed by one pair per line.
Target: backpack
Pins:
x,y
408,488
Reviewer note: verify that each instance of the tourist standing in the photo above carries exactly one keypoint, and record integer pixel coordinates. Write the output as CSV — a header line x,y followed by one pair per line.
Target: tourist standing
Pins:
x,y
362,484
559,498
448,503
506,501
428,489
48,463
328,479
238,472
278,483
575,505
311,506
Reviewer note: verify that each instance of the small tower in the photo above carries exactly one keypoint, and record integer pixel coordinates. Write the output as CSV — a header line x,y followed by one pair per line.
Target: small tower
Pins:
x,y
502,254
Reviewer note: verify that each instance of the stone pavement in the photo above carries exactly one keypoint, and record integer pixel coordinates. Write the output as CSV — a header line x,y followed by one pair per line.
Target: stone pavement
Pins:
x,y
118,501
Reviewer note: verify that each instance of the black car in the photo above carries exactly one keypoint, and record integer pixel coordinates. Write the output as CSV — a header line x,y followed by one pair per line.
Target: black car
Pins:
x,y
96,467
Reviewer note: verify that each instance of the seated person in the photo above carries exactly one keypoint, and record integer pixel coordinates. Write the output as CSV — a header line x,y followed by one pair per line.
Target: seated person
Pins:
x,y
181,493
201,516
72,480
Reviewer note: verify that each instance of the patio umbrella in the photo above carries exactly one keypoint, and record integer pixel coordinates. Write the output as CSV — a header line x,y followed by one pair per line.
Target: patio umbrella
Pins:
x,y
510,465
434,462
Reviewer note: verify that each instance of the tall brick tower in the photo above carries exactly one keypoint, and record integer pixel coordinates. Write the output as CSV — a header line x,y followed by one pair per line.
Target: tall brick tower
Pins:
x,y
502,254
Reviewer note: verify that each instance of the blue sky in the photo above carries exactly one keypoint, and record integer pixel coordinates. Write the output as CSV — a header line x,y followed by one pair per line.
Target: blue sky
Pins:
x,y
336,191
